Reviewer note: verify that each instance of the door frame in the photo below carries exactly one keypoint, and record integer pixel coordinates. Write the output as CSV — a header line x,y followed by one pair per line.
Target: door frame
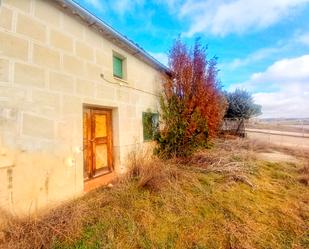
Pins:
x,y
89,144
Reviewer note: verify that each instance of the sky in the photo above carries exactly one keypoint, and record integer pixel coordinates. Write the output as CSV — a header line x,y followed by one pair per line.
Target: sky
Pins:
x,y
262,46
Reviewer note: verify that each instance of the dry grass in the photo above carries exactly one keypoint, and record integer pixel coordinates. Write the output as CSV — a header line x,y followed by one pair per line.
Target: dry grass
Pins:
x,y
220,198
150,172
39,232
304,174
232,158
64,223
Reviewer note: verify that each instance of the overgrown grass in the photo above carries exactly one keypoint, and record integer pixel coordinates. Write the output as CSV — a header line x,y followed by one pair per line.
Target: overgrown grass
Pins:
x,y
222,198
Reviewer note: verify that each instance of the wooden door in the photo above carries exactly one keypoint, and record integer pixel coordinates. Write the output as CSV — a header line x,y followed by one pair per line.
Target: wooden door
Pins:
x,y
98,157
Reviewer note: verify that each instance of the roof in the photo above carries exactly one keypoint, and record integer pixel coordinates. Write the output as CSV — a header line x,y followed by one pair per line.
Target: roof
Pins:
x,y
111,34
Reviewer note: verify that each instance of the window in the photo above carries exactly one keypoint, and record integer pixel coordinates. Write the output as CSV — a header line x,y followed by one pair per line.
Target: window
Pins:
x,y
150,125
118,66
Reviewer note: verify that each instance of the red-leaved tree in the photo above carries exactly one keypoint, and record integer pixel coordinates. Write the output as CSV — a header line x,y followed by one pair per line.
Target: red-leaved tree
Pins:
x,y
192,105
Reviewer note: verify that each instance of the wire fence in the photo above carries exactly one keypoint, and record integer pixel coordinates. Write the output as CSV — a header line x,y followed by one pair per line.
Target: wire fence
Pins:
x,y
285,132
234,126
288,132
299,126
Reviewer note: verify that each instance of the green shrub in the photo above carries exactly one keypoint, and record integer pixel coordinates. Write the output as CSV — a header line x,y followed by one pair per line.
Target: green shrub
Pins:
x,y
183,132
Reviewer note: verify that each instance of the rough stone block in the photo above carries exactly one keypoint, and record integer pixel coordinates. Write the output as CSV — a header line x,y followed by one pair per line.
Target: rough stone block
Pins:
x,y
31,28
29,75
73,65
61,41
123,95
71,105
61,82
45,104
6,17
131,111
73,26
36,126
84,51
4,70
46,99
93,38
93,72
46,57
99,57
105,92
84,87
23,5
13,47
47,12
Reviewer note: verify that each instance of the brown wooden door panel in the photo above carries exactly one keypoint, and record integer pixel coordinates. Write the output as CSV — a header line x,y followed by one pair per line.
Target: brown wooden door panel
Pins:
x,y
97,142
87,144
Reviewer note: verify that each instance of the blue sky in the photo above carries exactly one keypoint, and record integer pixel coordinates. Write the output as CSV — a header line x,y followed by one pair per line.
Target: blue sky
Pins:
x,y
262,46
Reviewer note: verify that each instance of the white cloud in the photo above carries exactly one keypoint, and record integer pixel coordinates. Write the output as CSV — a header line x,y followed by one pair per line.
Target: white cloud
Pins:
x,y
253,57
283,105
282,89
173,5
222,17
123,6
96,3
285,71
219,17
304,39
161,57
120,6
299,38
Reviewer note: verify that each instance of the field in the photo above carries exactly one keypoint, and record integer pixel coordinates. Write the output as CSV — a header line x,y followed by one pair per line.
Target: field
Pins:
x,y
236,194
287,132
286,125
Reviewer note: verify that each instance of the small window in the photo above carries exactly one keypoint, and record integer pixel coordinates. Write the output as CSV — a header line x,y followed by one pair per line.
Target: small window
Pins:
x,y
150,125
118,67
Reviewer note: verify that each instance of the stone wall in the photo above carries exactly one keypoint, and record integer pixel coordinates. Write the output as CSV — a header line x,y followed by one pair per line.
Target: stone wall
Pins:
x,y
51,64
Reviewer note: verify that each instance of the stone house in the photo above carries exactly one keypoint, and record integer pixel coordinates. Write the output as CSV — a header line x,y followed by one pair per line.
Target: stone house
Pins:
x,y
72,96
